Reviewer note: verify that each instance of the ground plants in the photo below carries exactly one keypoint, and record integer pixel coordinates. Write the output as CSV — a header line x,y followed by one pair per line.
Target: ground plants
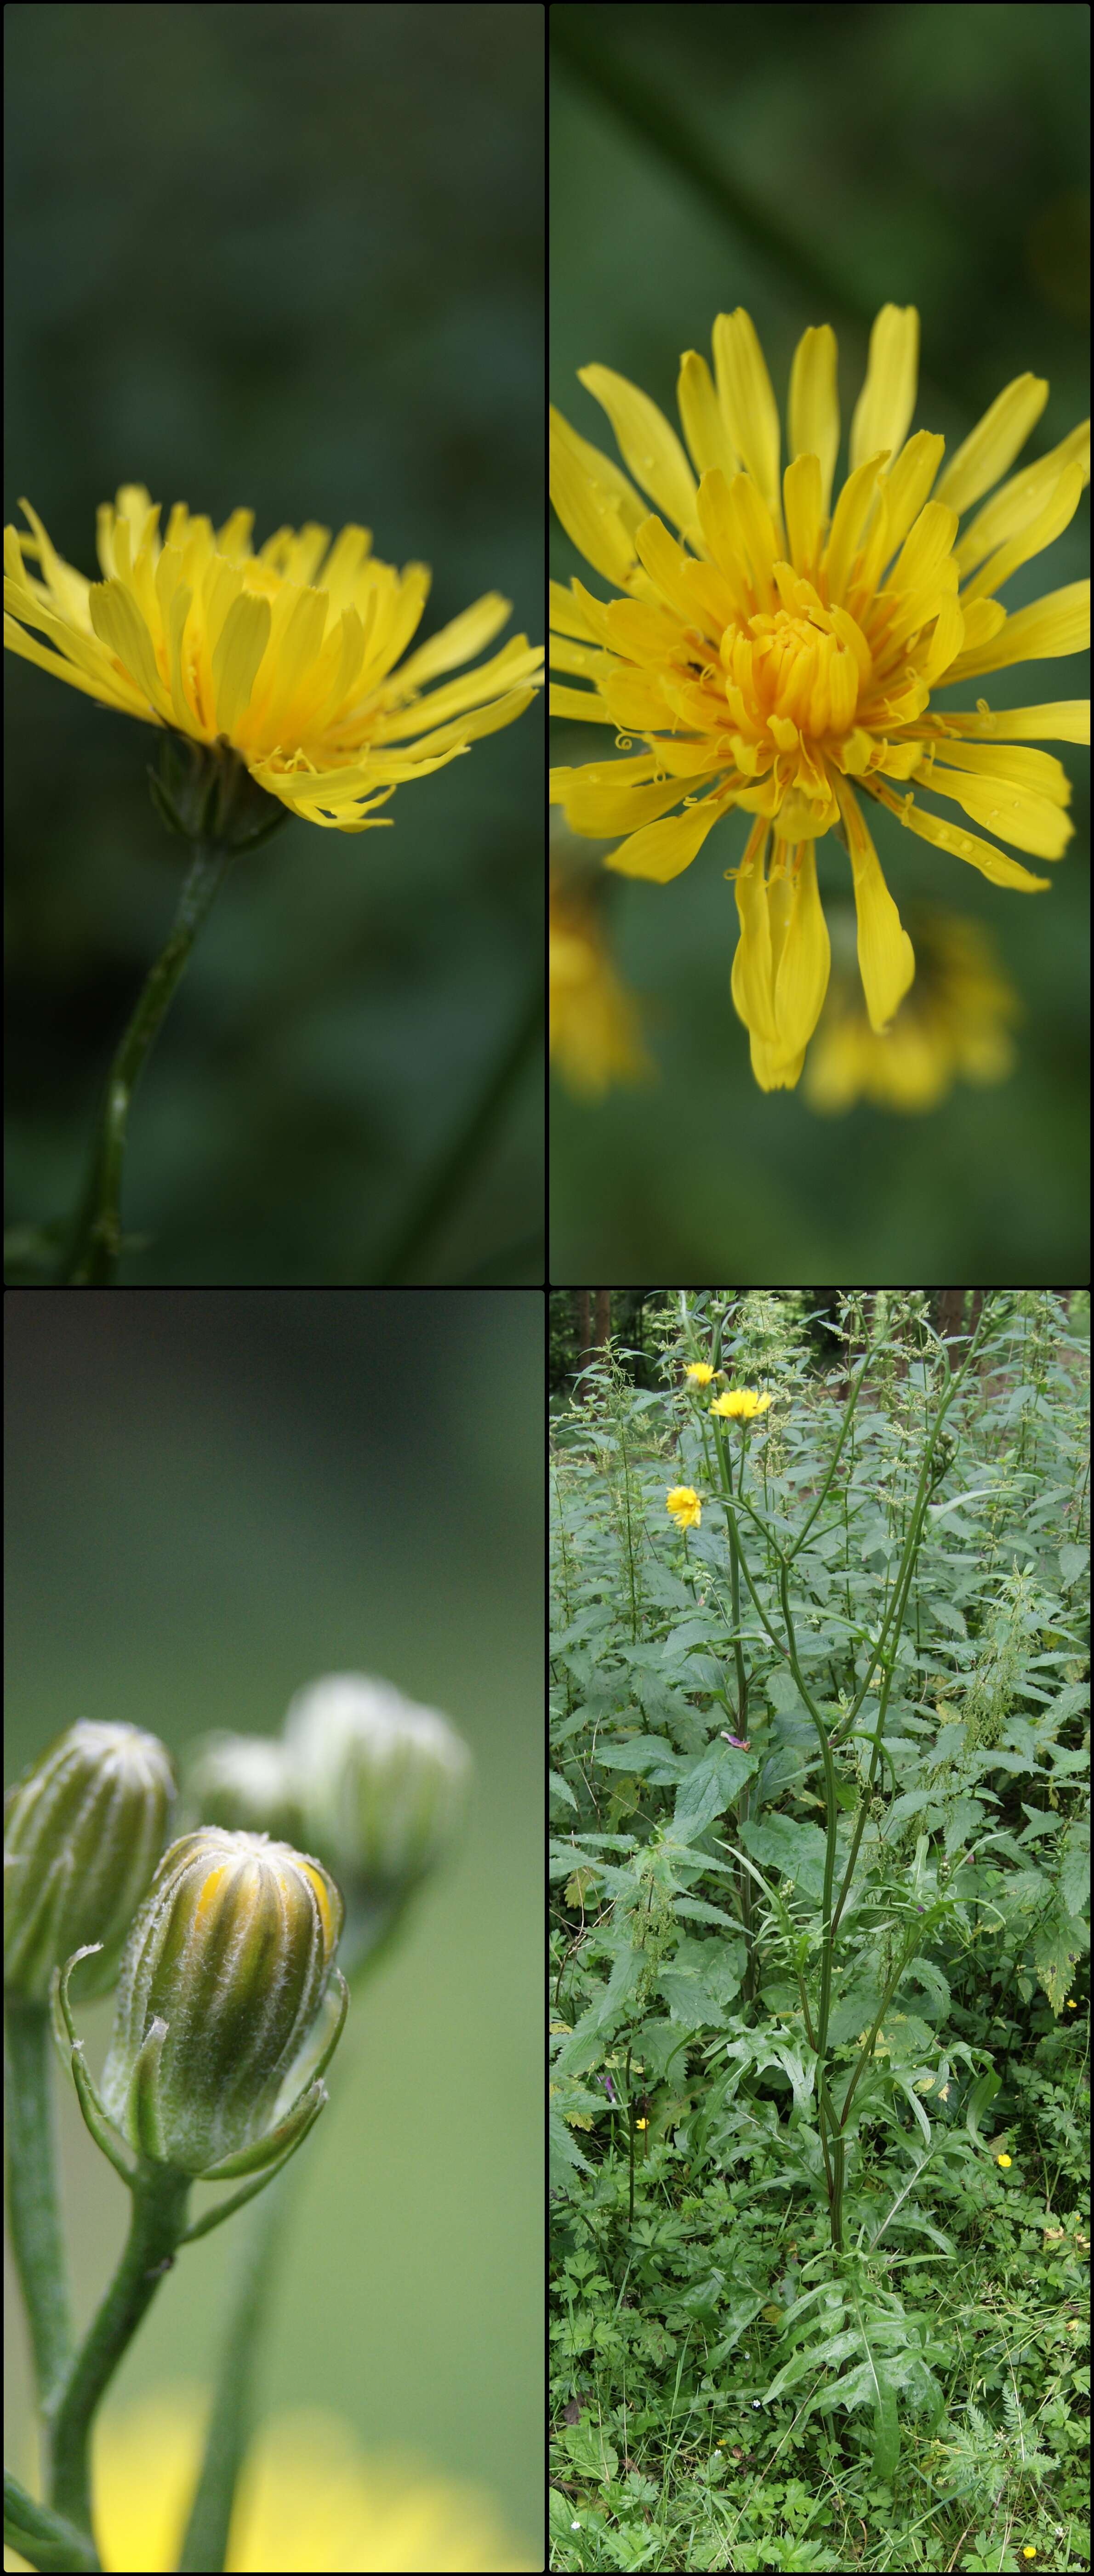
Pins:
x,y
818,1947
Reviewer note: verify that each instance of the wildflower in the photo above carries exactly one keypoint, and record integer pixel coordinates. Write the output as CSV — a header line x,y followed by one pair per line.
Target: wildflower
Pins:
x,y
83,1831
596,1035
288,656
246,1782
684,1507
1029,2553
699,1373
954,1023
783,655
383,1785
1071,2005
222,1980
1002,2160
740,1403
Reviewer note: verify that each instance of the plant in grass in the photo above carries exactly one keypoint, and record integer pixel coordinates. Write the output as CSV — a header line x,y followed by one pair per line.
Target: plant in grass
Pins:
x,y
852,1607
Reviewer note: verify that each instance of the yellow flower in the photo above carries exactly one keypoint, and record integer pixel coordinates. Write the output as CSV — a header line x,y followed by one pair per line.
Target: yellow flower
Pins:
x,y
288,655
309,2498
741,1403
1002,2160
684,1507
596,1036
699,1373
953,1022
1029,2553
782,655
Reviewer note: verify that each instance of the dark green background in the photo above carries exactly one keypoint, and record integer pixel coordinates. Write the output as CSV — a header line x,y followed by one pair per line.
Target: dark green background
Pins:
x,y
289,259
813,164
210,1502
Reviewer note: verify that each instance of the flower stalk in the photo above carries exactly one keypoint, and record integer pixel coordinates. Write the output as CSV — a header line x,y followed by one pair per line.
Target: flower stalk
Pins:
x,y
33,2210
95,1250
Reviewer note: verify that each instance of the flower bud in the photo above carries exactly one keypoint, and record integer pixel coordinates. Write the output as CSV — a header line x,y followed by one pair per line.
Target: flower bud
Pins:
x,y
221,1984
383,1782
246,1782
82,1834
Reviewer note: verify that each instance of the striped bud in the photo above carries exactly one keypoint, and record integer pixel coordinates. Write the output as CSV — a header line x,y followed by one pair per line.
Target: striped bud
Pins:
x,y
221,1984
383,1782
83,1832
247,1783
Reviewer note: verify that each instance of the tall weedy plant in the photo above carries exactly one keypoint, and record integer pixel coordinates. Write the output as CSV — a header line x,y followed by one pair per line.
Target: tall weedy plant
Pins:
x,y
900,1916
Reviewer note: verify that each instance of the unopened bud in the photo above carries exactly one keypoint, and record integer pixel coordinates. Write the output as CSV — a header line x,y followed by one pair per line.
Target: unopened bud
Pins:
x,y
246,1782
221,1984
83,1832
383,1782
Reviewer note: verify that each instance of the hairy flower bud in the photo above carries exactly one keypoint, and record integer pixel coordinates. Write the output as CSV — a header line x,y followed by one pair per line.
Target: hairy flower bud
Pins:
x,y
246,1782
383,1782
221,1984
83,1831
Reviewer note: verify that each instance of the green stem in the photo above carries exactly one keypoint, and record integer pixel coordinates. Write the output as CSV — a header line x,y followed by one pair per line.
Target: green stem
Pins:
x,y
96,1247
158,2222
457,1162
43,2538
233,2413
33,2209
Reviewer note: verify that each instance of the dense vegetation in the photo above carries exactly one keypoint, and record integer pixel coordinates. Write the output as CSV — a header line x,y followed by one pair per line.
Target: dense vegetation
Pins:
x,y
818,1940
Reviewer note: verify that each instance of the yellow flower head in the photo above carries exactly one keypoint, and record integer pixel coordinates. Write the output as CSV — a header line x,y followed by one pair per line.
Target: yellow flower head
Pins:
x,y
1002,2160
699,1373
781,654
596,1036
684,1507
741,1403
288,655
308,2498
954,1023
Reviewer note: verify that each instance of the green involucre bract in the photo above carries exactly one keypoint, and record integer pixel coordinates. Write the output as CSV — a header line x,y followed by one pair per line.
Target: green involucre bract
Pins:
x,y
221,1985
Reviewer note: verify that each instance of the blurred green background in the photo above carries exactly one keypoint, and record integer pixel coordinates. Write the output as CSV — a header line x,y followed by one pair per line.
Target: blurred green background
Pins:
x,y
813,164
210,1502
290,261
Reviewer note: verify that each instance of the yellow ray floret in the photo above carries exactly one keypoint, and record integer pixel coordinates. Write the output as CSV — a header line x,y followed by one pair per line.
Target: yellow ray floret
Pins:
x,y
778,646
292,655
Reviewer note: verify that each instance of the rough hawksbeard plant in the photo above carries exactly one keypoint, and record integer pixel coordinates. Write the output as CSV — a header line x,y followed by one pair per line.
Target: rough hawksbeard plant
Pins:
x,y
276,684
781,653
287,656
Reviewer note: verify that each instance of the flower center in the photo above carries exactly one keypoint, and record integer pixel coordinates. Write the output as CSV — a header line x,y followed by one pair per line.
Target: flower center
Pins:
x,y
788,675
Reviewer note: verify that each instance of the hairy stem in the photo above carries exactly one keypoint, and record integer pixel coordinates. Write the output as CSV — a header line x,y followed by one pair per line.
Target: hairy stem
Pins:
x,y
96,1245
33,2210
158,2222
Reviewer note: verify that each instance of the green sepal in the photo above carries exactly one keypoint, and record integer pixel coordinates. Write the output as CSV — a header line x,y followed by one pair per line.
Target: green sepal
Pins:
x,y
102,2129
295,2129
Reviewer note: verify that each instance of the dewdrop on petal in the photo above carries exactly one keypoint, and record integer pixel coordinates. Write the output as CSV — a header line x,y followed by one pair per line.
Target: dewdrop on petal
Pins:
x,y
221,1985
383,1781
83,1831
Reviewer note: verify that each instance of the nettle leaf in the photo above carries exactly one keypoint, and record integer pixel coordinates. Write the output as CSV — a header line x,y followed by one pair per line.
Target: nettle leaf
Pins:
x,y
1059,1942
798,1850
691,1632
1074,1878
641,1753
